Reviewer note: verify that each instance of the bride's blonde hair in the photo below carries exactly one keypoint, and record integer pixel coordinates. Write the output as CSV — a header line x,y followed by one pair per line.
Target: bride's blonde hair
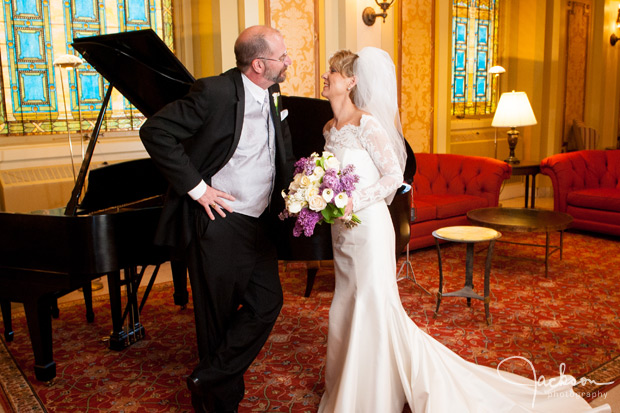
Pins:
x,y
342,62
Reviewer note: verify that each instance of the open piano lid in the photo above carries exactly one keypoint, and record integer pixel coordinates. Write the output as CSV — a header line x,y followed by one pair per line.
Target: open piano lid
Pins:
x,y
139,65
142,68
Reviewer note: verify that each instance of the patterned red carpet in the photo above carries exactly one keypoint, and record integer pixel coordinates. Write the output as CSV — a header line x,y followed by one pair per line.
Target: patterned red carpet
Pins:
x,y
571,317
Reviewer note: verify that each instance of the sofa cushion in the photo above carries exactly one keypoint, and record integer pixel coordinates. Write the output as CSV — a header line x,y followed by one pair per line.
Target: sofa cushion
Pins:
x,y
588,216
606,199
446,205
424,211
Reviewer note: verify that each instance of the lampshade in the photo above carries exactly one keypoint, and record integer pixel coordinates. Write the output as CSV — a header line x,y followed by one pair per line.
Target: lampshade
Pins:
x,y
513,110
496,70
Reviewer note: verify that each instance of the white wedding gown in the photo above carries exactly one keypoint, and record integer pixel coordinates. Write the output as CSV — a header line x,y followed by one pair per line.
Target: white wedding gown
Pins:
x,y
377,358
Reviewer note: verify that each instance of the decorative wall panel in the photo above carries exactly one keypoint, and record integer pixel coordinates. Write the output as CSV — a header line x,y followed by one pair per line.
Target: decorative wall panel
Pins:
x,y
474,51
33,33
296,20
417,73
578,29
30,86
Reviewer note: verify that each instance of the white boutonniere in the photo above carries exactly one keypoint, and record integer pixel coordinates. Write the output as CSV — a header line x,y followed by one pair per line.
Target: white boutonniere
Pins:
x,y
276,101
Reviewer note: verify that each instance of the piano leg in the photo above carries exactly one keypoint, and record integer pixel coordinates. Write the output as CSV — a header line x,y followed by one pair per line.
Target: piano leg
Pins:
x,y
39,318
54,309
87,290
6,316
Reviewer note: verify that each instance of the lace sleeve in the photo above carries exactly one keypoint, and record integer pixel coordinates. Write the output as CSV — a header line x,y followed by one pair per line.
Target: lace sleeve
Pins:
x,y
375,140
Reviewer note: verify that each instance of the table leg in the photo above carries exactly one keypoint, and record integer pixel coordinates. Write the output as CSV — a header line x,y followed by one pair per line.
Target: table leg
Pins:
x,y
487,282
439,292
546,253
469,269
533,190
527,188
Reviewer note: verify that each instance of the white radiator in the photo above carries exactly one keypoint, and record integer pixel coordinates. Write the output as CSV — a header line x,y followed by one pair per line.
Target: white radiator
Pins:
x,y
31,189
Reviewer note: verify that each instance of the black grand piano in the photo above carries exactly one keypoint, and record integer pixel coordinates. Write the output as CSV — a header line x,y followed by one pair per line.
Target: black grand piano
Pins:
x,y
46,255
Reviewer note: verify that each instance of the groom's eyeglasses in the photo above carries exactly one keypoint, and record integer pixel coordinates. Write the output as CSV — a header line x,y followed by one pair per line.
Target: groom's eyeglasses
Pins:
x,y
281,59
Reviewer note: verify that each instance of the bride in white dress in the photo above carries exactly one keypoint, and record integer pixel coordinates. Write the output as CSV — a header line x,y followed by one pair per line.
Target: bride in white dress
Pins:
x,y
377,358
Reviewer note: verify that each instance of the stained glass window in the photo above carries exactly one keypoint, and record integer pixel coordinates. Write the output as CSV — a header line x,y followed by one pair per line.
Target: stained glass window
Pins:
x,y
474,51
34,93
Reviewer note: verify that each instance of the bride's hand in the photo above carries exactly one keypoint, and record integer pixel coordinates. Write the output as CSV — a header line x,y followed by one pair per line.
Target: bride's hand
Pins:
x,y
348,210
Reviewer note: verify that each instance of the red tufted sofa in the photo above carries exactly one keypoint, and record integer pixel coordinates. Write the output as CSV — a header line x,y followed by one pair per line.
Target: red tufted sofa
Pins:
x,y
586,185
446,186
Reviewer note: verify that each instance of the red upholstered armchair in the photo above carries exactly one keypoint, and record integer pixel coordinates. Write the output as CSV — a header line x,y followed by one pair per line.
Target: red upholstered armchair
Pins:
x,y
447,186
586,185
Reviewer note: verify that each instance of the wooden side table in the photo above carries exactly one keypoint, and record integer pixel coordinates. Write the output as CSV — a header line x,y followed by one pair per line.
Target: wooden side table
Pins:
x,y
527,168
468,235
524,220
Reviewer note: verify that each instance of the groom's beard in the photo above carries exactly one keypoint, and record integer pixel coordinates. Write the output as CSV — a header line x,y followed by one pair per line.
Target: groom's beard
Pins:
x,y
276,76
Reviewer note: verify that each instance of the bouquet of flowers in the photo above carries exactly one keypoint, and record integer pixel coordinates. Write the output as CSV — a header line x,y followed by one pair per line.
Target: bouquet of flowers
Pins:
x,y
319,193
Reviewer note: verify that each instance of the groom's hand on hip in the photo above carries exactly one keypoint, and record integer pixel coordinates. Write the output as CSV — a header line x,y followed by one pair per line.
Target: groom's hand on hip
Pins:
x,y
213,200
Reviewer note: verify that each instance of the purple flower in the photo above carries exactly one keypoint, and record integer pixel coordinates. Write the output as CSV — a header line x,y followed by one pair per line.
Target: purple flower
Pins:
x,y
306,221
305,165
348,181
331,181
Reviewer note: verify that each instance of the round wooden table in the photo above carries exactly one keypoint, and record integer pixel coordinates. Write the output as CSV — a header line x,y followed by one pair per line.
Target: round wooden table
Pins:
x,y
468,235
524,220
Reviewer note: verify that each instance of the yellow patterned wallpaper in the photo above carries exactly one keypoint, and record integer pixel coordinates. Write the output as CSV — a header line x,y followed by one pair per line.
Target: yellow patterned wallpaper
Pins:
x,y
295,19
577,51
417,73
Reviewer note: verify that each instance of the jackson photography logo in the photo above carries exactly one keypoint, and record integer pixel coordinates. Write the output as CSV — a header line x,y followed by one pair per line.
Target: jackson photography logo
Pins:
x,y
560,386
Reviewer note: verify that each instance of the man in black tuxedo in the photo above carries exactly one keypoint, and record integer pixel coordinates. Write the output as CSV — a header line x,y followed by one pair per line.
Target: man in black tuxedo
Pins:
x,y
227,154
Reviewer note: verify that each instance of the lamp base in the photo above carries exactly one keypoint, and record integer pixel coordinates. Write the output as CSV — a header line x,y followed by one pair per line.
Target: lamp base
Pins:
x,y
513,137
512,160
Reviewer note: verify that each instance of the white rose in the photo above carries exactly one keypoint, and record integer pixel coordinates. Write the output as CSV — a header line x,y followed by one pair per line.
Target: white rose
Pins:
x,y
328,194
305,181
296,182
298,196
328,154
311,193
294,207
317,203
341,200
332,163
318,173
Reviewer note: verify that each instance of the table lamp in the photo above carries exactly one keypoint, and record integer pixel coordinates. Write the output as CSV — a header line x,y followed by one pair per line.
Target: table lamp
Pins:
x,y
513,110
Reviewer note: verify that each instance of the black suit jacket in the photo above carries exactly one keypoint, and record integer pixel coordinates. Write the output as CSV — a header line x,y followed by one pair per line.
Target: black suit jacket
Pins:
x,y
194,137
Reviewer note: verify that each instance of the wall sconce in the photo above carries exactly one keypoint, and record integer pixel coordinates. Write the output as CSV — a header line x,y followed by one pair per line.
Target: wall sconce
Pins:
x,y
369,16
613,39
513,110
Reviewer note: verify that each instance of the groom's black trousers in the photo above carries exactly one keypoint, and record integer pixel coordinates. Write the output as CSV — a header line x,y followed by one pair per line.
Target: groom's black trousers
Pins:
x,y
237,297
